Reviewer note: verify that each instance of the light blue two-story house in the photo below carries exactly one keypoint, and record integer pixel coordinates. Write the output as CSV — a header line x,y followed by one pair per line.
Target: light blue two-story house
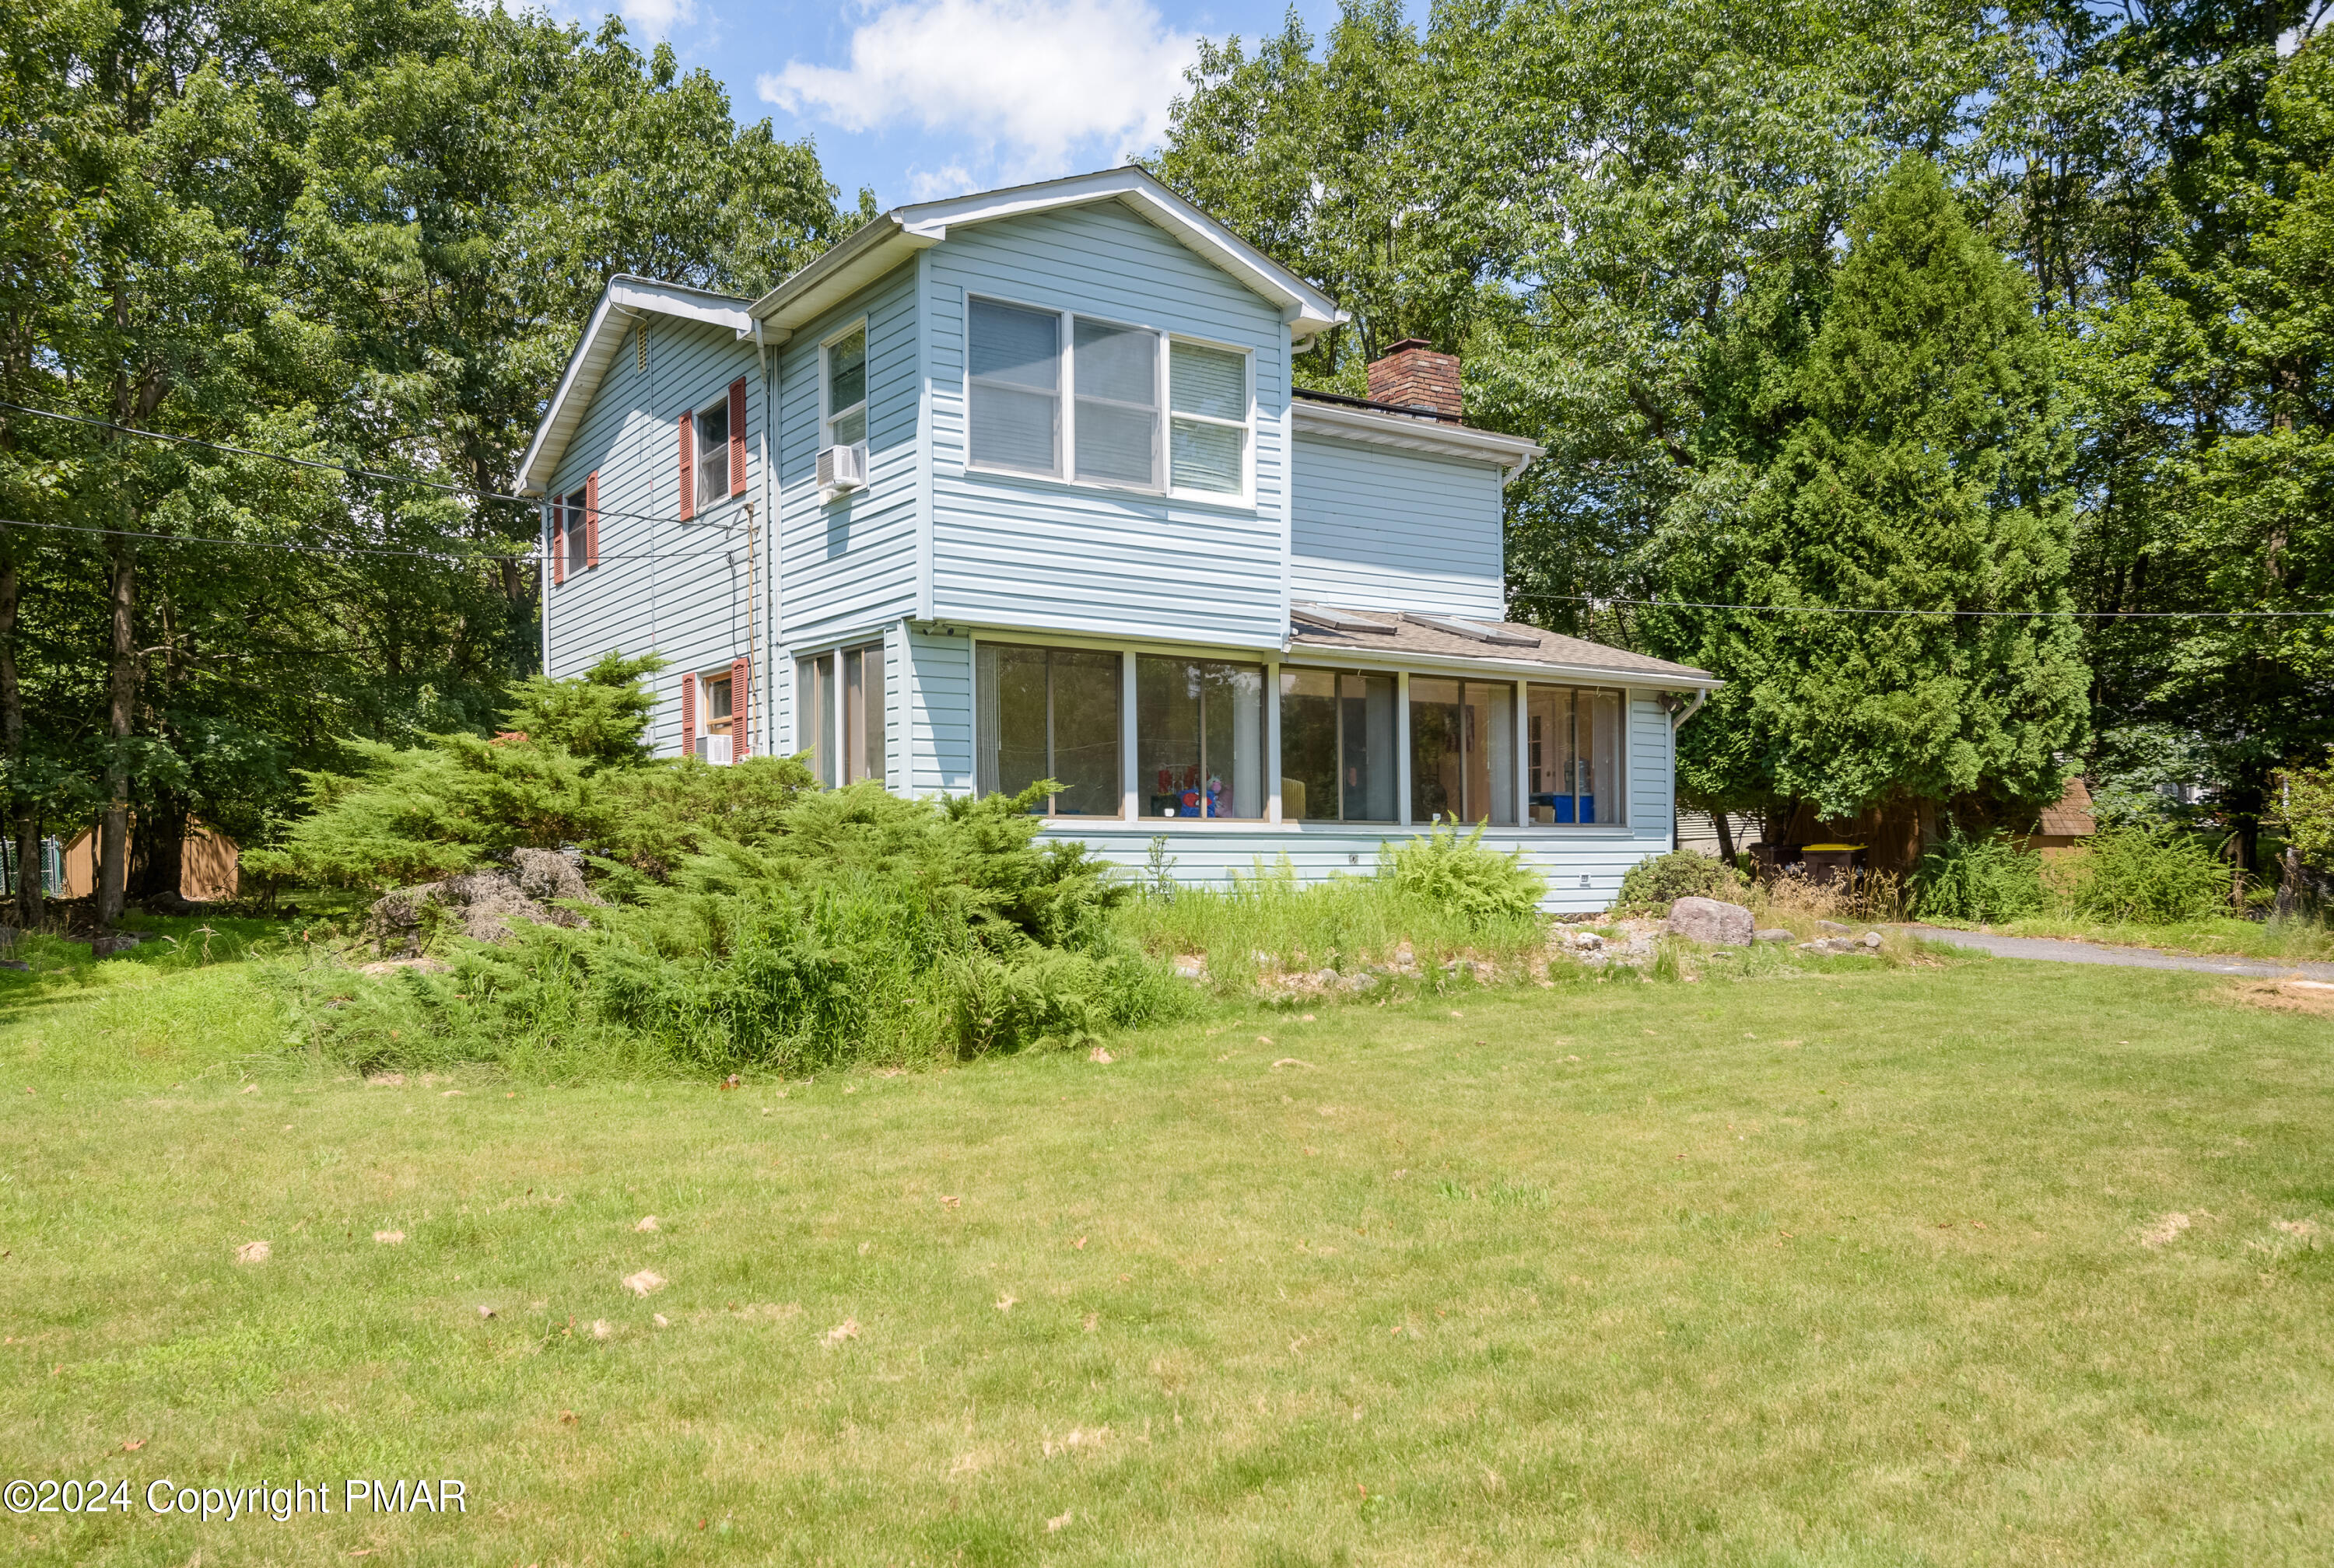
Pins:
x,y
1016,486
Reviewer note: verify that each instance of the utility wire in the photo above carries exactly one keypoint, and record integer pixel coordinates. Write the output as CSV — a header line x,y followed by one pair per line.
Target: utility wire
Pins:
x,y
442,487
1937,614
455,557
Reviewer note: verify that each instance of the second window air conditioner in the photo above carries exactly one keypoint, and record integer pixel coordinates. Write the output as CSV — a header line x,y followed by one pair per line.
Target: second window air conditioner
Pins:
x,y
841,469
714,748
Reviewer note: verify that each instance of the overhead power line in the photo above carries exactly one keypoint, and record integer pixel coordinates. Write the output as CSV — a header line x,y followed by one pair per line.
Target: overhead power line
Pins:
x,y
1934,614
454,557
442,487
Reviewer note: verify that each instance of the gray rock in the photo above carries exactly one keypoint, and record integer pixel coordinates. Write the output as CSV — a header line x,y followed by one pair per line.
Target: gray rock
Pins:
x,y
1872,939
1833,927
1772,934
1358,983
1712,921
114,942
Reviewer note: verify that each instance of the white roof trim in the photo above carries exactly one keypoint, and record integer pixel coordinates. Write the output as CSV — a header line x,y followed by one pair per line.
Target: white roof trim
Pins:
x,y
1512,453
892,239
624,299
1362,656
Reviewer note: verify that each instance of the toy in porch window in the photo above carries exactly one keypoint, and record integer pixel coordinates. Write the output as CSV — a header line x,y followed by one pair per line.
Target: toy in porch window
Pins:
x,y
1216,803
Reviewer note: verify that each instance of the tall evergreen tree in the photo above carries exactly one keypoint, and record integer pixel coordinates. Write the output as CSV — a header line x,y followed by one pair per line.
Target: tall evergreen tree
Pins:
x,y
1917,450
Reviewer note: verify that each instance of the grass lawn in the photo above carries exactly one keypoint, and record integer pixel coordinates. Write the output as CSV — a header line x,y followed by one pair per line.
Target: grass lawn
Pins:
x,y
1851,1267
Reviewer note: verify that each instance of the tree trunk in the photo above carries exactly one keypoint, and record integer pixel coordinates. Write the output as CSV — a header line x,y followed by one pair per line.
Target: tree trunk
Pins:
x,y
158,860
113,835
1725,836
23,816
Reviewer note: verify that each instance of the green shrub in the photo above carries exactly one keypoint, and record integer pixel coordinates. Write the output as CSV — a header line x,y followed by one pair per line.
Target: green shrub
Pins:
x,y
1977,878
865,927
1651,886
2150,876
1460,875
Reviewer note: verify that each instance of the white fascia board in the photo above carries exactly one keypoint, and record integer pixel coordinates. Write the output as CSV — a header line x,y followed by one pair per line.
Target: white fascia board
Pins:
x,y
873,250
624,300
1312,654
1461,441
884,242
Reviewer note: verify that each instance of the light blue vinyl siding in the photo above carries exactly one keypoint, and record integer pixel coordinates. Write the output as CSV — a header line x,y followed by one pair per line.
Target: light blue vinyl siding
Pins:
x,y
1009,552
688,602
1376,528
939,713
847,567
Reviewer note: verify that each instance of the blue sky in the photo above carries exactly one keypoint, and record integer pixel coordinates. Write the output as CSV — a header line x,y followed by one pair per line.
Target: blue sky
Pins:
x,y
929,98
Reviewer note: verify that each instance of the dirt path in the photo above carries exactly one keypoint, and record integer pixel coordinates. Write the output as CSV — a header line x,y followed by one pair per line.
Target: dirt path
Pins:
x,y
2052,949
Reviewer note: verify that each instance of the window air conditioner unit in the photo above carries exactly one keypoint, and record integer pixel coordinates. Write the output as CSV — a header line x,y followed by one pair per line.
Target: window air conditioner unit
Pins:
x,y
841,469
714,748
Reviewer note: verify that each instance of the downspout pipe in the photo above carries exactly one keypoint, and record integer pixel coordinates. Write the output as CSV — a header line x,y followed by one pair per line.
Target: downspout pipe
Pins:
x,y
1678,719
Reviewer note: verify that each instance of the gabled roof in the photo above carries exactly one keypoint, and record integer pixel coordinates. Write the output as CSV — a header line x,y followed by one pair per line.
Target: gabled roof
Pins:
x,y
624,300
873,250
885,242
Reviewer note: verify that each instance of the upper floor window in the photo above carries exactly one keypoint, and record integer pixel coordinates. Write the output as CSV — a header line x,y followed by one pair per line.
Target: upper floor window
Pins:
x,y
844,392
1075,397
577,527
713,453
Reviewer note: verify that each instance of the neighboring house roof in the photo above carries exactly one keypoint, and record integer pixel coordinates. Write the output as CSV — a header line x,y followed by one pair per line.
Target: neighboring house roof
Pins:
x,y
1383,425
624,302
1411,637
884,243
2071,816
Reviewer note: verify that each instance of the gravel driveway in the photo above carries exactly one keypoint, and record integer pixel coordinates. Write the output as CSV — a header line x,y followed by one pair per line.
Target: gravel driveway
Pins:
x,y
2051,949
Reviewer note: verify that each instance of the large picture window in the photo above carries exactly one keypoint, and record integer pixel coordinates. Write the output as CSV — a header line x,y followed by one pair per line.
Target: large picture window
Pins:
x,y
1070,396
1050,712
1463,751
1199,737
1574,734
1337,748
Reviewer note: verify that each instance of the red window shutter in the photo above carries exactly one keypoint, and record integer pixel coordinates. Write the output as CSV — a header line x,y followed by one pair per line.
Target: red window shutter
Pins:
x,y
737,436
689,715
558,540
592,520
687,466
741,672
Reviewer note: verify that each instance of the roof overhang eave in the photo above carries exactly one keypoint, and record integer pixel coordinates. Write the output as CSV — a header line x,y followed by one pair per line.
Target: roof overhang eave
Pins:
x,y
1363,655
1512,453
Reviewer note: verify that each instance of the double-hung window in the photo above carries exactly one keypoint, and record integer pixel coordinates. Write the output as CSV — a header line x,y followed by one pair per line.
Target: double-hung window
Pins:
x,y
577,526
1073,397
712,453
844,391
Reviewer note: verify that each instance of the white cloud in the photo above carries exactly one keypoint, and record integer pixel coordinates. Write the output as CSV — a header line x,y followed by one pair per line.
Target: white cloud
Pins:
x,y
1038,77
657,18
938,184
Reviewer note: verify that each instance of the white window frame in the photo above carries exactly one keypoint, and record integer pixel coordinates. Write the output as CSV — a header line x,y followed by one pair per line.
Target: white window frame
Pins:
x,y
827,414
697,433
1066,395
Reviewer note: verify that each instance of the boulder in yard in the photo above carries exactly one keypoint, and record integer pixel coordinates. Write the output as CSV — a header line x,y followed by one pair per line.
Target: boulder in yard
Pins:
x,y
1772,934
1710,920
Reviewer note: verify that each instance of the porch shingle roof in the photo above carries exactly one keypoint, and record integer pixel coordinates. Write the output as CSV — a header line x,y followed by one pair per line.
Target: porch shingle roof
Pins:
x,y
1378,631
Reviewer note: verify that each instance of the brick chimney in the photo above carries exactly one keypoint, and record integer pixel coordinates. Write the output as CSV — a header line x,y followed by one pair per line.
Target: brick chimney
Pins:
x,y
1414,375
